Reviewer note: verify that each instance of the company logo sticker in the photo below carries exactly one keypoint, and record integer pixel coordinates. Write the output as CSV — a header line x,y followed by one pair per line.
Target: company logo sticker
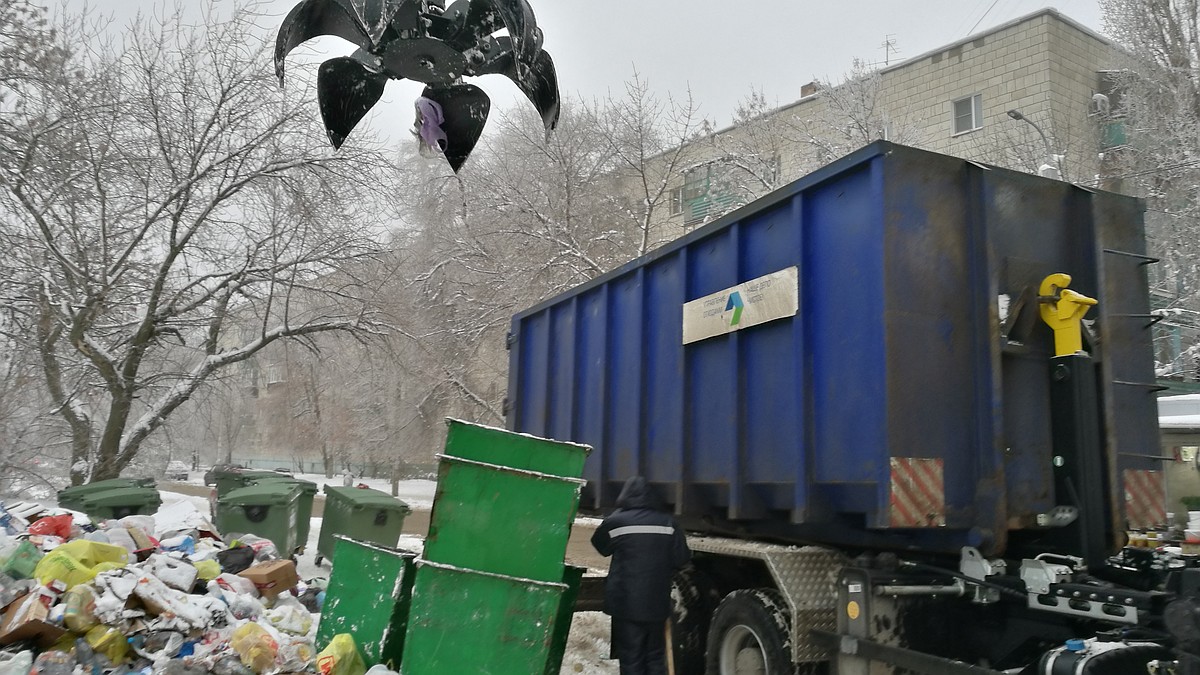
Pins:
x,y
735,303
766,298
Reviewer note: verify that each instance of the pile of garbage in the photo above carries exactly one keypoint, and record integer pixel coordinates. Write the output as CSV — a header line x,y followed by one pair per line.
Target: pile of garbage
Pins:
x,y
154,594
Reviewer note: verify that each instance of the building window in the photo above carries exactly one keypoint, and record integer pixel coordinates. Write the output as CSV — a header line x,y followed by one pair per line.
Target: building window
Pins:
x,y
968,114
677,201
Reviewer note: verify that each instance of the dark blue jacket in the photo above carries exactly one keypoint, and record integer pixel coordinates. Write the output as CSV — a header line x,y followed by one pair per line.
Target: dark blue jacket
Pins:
x,y
646,548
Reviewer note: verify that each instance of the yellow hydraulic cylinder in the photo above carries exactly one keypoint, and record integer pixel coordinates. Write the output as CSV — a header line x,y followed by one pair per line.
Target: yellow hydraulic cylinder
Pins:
x,y
1062,309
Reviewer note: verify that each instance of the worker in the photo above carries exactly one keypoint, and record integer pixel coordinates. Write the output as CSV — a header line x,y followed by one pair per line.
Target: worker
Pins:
x,y
646,548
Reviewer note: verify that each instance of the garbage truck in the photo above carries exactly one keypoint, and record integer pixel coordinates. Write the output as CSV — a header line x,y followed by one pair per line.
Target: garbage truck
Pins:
x,y
905,408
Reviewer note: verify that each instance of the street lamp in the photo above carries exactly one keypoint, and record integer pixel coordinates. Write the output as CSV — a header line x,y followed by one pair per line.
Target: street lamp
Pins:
x,y
1051,168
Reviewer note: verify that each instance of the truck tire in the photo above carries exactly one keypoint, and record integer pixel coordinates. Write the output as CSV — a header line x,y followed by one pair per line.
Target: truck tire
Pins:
x,y
750,635
694,598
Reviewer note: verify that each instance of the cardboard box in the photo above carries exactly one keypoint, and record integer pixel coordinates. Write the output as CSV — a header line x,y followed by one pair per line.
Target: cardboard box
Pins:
x,y
272,578
26,620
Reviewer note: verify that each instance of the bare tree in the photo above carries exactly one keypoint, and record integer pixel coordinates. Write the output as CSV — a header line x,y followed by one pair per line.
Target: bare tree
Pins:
x,y
651,144
175,212
1156,101
844,116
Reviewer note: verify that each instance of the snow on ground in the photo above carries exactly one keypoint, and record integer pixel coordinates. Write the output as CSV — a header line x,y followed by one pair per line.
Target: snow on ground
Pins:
x,y
418,494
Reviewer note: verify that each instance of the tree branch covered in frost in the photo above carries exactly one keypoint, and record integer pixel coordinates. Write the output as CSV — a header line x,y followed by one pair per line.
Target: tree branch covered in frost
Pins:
x,y
1157,102
173,212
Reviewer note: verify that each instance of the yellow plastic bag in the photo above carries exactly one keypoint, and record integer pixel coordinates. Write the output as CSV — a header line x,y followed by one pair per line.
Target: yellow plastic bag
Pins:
x,y
108,641
208,569
80,612
78,562
340,657
255,646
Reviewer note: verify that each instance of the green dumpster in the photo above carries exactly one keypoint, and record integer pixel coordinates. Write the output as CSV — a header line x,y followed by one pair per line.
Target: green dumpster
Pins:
x,y
231,479
480,510
369,593
308,490
518,451
268,510
120,502
573,578
362,514
68,498
465,621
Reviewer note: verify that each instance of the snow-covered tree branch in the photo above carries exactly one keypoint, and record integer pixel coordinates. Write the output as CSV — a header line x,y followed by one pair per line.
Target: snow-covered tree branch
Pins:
x,y
173,212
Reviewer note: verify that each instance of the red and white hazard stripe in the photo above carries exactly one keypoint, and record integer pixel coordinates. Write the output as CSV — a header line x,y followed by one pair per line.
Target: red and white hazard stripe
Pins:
x,y
918,494
1145,498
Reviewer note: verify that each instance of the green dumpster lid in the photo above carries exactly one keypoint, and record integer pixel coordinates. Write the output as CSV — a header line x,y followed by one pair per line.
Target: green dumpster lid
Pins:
x,y
262,494
257,473
481,443
306,486
111,483
366,497
122,496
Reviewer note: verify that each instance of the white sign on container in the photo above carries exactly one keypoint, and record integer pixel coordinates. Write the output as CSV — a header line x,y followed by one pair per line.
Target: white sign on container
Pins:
x,y
773,296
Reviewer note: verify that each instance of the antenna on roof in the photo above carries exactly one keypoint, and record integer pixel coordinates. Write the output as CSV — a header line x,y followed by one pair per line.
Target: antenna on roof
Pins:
x,y
889,48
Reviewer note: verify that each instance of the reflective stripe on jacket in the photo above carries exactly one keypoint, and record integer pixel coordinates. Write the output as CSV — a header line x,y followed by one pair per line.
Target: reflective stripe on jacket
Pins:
x,y
646,548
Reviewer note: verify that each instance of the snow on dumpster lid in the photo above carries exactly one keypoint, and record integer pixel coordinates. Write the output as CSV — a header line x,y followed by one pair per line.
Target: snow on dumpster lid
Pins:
x,y
1179,412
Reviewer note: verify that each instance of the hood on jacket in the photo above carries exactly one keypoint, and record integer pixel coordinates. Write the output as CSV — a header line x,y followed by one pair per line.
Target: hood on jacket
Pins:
x,y
637,494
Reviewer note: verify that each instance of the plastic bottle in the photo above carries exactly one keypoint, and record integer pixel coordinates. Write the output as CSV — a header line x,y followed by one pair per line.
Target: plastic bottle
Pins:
x,y
86,657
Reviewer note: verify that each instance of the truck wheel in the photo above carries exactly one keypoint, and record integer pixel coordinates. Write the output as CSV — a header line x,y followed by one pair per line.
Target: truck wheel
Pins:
x,y
694,597
750,635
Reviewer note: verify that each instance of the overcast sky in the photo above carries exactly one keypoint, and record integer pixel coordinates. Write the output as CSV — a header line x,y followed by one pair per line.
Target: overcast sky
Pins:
x,y
719,49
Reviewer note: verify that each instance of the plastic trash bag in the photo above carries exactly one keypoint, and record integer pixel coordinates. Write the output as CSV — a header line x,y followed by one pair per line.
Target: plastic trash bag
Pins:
x,y
108,642
427,127
341,657
157,646
236,584
296,654
16,664
53,663
182,543
244,606
143,523
78,562
264,549
235,559
289,616
173,609
18,559
255,646
58,526
173,572
120,536
207,570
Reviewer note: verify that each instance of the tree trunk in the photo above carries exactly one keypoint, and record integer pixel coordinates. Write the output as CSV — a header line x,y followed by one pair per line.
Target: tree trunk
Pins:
x,y
110,459
80,425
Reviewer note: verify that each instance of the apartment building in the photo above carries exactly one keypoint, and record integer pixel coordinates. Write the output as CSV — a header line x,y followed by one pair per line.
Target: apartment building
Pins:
x,y
1051,72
